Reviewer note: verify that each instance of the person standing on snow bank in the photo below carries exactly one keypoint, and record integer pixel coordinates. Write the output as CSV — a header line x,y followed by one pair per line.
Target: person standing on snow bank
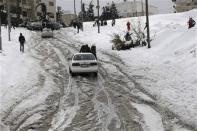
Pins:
x,y
128,26
22,42
191,23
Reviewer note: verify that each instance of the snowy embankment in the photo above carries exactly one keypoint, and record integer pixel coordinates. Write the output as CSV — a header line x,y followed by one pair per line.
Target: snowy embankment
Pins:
x,y
20,78
168,70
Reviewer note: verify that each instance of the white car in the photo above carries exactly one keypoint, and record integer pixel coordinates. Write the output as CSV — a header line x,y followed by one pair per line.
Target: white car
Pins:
x,y
47,33
83,63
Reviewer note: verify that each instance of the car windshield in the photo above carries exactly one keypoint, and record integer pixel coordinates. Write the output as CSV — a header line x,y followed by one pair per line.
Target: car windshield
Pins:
x,y
84,57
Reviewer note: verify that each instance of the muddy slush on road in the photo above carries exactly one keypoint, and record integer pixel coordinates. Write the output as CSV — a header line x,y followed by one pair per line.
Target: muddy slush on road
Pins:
x,y
113,101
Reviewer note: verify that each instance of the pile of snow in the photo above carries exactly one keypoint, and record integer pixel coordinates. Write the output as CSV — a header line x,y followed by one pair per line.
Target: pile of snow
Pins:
x,y
168,70
19,73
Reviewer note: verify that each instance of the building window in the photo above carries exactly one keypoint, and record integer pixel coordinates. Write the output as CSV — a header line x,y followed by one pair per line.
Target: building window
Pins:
x,y
24,2
13,9
38,1
39,13
51,15
51,3
24,14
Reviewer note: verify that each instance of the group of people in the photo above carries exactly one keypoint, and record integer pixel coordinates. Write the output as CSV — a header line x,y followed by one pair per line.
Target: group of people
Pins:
x,y
103,22
77,24
87,49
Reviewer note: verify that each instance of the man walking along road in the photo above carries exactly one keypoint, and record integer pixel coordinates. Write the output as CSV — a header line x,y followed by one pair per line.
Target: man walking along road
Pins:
x,y
22,42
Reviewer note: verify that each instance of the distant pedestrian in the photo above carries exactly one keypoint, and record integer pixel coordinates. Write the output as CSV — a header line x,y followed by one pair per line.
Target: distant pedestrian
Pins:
x,y
191,23
113,22
128,26
22,42
93,50
102,23
78,26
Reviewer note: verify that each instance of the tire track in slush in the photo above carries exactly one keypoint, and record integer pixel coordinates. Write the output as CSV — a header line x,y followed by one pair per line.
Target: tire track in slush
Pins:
x,y
60,125
106,110
167,116
102,110
101,88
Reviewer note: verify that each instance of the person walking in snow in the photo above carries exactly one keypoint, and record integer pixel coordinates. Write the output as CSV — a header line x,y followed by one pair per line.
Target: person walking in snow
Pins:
x,y
93,50
113,22
78,27
22,42
191,22
128,26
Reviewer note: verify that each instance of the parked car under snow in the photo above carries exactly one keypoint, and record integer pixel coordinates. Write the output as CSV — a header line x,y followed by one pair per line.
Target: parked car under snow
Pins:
x,y
47,33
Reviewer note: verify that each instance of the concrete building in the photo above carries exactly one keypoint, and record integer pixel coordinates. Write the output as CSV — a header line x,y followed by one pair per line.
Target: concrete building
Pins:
x,y
184,5
51,9
67,18
134,8
23,7
27,8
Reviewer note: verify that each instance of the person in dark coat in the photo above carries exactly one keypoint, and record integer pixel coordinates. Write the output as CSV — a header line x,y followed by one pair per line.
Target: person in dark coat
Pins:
x,y
105,22
78,27
85,49
127,36
93,50
191,22
22,42
113,22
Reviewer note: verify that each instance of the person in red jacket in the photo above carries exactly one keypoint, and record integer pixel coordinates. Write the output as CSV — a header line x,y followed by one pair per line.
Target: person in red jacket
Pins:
x,y
128,26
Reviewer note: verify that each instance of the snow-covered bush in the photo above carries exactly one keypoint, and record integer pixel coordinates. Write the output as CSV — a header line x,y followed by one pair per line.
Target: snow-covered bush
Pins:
x,y
117,42
120,44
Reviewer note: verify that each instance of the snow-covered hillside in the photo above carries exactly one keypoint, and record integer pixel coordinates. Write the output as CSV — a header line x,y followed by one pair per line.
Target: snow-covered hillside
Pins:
x,y
168,70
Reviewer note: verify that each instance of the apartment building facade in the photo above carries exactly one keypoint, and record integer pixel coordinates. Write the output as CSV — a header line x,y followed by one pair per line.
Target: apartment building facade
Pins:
x,y
184,5
27,8
19,8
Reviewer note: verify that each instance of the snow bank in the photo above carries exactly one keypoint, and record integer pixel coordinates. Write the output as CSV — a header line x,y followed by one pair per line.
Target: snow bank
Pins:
x,y
19,72
168,70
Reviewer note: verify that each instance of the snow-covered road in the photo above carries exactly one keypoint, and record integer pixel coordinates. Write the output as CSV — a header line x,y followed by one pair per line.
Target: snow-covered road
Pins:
x,y
112,102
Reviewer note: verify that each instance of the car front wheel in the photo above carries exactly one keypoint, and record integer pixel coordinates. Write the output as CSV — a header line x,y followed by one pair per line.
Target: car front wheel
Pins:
x,y
71,73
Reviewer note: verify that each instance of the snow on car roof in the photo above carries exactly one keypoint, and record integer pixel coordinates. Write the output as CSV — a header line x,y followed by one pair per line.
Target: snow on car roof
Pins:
x,y
82,53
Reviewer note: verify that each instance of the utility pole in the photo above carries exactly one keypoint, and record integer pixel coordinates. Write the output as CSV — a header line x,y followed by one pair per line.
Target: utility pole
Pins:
x,y
142,7
9,20
98,23
75,7
147,25
82,13
135,8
